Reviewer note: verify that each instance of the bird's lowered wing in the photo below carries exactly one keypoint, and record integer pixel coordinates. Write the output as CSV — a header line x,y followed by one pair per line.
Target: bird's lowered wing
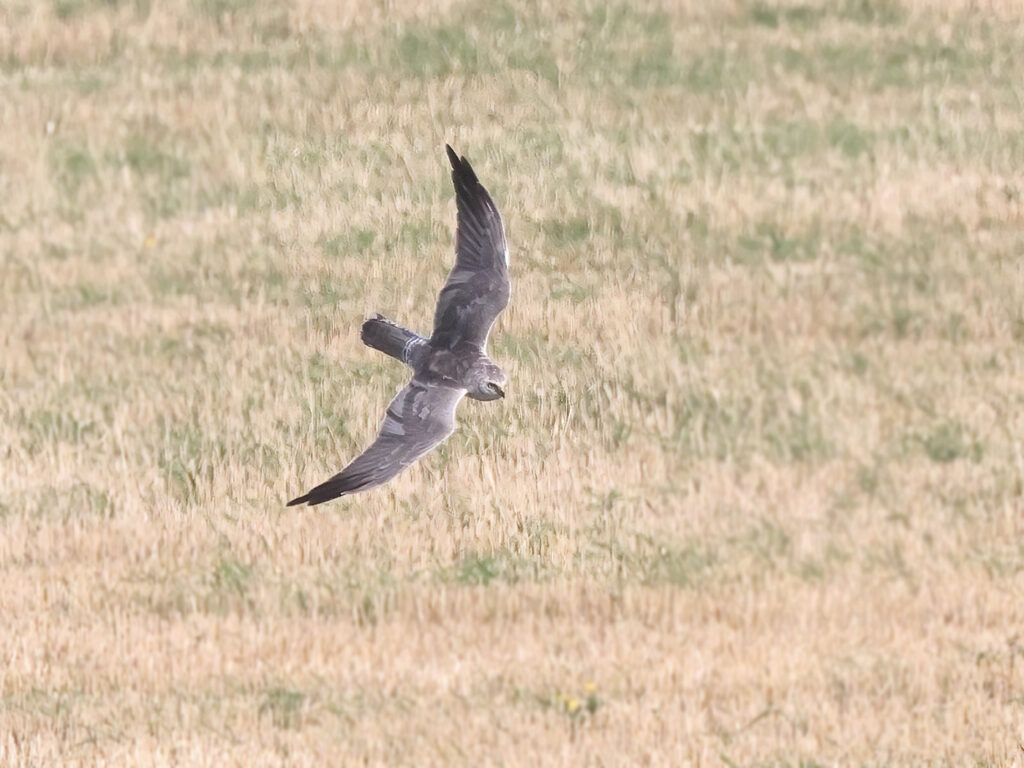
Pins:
x,y
478,286
419,418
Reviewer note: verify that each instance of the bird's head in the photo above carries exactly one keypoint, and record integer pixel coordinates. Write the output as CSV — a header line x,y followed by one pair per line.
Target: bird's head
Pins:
x,y
487,381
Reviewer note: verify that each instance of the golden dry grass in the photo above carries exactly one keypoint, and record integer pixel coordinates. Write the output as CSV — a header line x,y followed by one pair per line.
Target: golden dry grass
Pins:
x,y
756,498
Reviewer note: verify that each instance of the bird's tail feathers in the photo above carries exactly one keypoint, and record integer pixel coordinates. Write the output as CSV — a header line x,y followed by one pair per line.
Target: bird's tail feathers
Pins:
x,y
391,339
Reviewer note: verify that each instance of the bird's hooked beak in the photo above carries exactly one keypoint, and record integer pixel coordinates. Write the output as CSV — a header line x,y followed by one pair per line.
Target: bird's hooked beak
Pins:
x,y
501,392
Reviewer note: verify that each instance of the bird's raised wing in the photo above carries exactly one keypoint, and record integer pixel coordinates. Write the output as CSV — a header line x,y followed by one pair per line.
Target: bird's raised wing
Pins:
x,y
478,286
419,418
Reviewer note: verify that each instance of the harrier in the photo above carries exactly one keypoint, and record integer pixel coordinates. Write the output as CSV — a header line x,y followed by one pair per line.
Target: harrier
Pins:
x,y
453,362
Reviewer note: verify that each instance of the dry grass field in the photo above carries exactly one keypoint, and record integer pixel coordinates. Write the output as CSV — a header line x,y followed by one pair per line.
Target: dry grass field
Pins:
x,y
756,497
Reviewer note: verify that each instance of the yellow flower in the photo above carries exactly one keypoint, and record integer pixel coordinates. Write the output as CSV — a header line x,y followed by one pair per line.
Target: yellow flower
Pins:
x,y
150,241
590,686
572,706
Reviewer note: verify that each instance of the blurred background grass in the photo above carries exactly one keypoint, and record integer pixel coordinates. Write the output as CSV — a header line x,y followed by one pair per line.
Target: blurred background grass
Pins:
x,y
755,497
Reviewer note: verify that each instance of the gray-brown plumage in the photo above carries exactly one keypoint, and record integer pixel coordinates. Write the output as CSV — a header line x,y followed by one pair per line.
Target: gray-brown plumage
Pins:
x,y
453,362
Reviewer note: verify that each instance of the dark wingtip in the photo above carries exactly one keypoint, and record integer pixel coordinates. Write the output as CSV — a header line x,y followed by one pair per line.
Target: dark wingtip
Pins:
x,y
326,492
462,171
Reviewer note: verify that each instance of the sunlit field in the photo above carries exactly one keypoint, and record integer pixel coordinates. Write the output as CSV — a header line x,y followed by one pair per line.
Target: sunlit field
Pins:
x,y
756,494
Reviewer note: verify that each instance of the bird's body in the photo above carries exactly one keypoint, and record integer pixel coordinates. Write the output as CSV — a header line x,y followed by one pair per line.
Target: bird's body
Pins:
x,y
453,362
465,365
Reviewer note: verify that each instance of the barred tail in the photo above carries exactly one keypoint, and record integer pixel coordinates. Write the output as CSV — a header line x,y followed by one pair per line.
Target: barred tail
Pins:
x,y
381,334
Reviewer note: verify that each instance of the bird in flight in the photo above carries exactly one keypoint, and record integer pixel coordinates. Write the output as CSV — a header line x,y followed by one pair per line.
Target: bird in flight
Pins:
x,y
451,363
